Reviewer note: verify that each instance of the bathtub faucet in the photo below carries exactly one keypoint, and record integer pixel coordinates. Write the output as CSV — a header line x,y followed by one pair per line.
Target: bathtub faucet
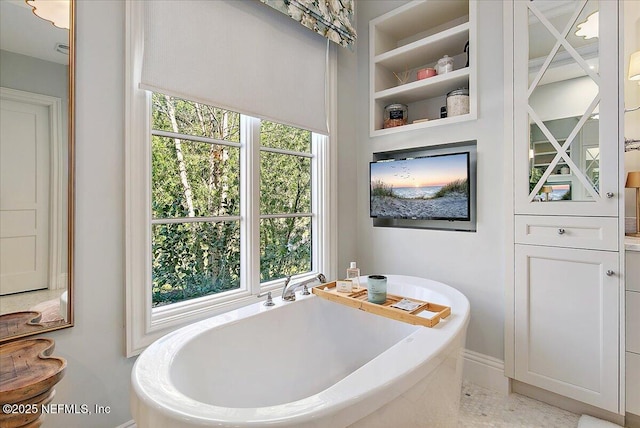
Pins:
x,y
289,291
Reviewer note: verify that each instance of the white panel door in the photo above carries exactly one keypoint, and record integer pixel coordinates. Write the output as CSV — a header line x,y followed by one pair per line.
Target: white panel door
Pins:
x,y
567,322
24,196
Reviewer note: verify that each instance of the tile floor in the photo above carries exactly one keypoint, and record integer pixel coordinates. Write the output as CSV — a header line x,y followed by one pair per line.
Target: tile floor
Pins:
x,y
24,301
481,407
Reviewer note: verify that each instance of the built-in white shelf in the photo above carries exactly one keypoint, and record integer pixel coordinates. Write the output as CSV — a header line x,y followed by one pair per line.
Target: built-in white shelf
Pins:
x,y
427,50
426,88
428,124
415,19
413,36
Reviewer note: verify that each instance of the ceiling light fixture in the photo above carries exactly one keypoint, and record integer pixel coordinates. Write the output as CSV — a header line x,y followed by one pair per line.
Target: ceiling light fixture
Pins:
x,y
63,48
589,28
54,11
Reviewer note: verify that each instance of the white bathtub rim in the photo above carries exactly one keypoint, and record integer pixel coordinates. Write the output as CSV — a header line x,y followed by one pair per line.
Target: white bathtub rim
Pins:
x,y
333,399
358,387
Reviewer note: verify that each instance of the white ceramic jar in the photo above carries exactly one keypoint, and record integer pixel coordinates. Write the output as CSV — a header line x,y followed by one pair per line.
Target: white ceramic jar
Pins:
x,y
444,65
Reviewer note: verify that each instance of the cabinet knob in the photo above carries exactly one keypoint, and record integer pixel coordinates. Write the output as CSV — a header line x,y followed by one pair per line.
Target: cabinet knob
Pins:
x,y
609,272
609,195
561,231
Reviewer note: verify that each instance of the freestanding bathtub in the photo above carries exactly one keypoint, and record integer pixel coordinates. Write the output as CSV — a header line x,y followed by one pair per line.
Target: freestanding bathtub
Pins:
x,y
308,363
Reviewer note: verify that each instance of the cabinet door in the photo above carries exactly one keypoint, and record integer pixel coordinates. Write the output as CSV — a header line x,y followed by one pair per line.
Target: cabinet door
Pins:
x,y
567,320
566,115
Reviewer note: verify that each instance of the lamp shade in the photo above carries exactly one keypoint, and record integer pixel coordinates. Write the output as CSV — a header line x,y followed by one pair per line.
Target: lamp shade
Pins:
x,y
634,66
633,180
546,189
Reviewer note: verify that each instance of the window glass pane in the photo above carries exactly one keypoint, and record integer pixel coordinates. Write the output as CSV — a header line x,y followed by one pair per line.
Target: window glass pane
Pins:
x,y
285,184
285,247
192,179
188,117
193,260
278,136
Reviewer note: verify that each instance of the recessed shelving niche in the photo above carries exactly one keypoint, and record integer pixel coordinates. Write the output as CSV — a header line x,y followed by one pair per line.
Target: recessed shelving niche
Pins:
x,y
414,36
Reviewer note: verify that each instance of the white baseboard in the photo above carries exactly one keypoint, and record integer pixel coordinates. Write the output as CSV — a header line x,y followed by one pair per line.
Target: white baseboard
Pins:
x,y
128,424
485,371
63,281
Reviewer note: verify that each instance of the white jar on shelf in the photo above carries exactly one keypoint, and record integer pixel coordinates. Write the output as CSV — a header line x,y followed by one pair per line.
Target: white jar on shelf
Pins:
x,y
445,65
458,102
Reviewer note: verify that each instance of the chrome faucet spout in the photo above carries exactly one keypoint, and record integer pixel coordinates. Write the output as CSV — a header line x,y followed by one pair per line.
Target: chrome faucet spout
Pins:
x,y
289,290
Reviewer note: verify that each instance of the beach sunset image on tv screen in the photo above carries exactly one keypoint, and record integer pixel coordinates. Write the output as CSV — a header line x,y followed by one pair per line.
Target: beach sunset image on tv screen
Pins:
x,y
434,187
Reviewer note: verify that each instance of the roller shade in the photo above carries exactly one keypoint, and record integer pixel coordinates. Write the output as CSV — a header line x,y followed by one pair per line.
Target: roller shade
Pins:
x,y
237,55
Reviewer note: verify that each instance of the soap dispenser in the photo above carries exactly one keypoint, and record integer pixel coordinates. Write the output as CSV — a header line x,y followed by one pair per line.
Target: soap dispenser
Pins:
x,y
353,273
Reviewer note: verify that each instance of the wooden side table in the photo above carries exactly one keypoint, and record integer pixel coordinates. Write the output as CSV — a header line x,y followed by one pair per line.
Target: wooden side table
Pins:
x,y
28,375
20,323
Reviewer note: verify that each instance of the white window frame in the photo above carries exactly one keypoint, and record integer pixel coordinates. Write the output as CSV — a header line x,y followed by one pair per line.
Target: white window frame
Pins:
x,y
145,324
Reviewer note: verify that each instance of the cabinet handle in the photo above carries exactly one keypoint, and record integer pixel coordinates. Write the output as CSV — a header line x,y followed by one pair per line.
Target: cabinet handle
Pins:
x,y
609,195
561,231
609,272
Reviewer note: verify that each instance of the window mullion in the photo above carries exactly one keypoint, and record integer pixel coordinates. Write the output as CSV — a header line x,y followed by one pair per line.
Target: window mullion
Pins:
x,y
321,207
316,192
250,202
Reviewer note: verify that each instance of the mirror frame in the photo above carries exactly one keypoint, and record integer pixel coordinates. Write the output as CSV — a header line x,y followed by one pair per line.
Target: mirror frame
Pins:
x,y
70,188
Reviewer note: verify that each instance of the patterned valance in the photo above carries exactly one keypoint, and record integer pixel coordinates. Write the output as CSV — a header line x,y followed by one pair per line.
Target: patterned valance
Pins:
x,y
334,19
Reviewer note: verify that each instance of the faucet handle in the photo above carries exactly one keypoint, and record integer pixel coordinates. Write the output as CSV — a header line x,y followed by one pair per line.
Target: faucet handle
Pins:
x,y
269,301
305,290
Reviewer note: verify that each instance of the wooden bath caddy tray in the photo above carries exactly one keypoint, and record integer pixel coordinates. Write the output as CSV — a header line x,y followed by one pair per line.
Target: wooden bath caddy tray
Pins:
x,y
358,299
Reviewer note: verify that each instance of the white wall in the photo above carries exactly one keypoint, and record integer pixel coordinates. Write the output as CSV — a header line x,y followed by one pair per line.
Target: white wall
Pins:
x,y
470,262
97,371
347,157
27,73
566,98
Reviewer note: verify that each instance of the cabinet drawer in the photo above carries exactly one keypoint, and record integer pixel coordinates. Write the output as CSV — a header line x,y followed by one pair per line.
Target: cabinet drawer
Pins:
x,y
633,380
598,233
633,321
632,267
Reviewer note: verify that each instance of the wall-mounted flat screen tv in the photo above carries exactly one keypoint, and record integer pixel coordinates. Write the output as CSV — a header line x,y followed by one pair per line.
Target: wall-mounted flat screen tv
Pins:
x,y
426,187
422,188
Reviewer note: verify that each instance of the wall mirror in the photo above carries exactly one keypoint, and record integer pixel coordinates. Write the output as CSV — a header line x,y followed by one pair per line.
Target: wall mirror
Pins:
x,y
36,169
564,99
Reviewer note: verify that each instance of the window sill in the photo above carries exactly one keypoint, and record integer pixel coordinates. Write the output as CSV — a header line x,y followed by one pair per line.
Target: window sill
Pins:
x,y
179,314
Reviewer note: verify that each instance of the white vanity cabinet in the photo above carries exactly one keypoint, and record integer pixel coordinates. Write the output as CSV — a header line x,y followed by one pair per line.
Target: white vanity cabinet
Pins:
x,y
567,322
566,264
632,304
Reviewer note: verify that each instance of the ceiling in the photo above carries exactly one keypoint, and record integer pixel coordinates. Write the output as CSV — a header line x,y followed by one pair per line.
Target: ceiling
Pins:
x,y
541,41
23,32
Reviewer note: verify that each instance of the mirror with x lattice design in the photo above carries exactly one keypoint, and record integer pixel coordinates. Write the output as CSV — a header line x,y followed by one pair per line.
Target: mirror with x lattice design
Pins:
x,y
564,143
